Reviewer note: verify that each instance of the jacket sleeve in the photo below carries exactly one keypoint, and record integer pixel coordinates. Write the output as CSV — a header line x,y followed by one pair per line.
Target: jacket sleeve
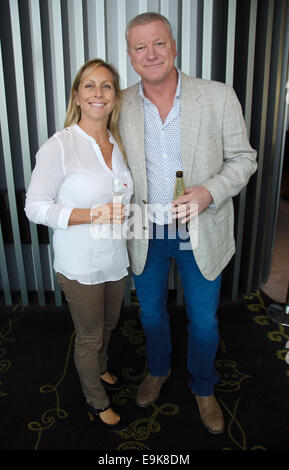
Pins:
x,y
239,158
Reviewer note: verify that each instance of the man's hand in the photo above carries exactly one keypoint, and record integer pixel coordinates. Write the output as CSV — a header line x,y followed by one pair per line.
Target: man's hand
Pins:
x,y
195,200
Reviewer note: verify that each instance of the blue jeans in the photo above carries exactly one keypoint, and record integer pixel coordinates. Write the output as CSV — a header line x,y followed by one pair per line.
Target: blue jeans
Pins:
x,y
201,300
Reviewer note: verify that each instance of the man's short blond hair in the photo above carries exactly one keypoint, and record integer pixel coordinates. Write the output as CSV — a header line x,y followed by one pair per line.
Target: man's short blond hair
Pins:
x,y
146,18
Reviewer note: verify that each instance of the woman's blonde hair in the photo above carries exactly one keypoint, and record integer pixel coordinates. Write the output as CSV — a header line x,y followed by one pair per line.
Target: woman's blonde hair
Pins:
x,y
73,113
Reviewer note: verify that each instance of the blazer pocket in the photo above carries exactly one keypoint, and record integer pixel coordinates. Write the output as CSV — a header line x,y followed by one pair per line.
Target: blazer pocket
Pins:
x,y
221,214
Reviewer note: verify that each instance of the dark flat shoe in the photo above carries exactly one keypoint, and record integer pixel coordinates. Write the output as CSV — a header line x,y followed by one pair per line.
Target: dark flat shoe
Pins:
x,y
93,415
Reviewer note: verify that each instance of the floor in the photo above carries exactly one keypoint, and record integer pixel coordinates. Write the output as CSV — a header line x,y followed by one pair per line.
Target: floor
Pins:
x,y
277,285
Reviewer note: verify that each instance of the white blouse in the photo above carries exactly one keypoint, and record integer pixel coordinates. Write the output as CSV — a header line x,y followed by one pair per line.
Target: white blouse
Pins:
x,y
70,172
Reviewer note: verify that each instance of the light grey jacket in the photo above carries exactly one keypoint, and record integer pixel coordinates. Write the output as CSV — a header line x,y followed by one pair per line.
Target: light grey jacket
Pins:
x,y
215,154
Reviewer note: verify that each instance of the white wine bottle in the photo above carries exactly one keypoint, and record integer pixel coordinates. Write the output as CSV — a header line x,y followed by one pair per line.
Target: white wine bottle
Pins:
x,y
179,185
180,191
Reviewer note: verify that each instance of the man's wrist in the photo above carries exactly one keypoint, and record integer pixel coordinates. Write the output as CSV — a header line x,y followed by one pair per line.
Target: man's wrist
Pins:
x,y
212,204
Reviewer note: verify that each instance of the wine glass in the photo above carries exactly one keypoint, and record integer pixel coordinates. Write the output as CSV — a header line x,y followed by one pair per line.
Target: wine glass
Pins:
x,y
119,186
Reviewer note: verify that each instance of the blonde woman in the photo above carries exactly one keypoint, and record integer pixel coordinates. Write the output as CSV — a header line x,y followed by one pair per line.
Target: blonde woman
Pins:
x,y
71,191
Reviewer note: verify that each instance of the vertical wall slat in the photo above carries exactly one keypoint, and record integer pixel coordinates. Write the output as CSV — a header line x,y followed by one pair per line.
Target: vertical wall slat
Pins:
x,y
186,36
54,281
96,28
142,6
190,37
57,63
165,8
278,117
100,29
36,43
261,146
4,271
24,140
231,29
247,115
207,39
40,103
76,37
283,127
250,63
59,102
122,52
11,186
38,70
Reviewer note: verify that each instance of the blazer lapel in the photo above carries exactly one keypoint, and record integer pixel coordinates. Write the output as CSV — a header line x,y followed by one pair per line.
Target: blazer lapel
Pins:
x,y
135,121
191,121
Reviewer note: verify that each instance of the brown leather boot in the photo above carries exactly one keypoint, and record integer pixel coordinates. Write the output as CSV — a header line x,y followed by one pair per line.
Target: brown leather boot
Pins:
x,y
149,390
211,414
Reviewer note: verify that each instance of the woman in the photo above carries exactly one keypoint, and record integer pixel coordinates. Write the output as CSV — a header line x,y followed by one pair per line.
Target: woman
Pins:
x,y
71,191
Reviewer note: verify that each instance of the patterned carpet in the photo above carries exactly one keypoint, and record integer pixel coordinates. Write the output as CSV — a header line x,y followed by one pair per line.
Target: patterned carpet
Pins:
x,y
42,406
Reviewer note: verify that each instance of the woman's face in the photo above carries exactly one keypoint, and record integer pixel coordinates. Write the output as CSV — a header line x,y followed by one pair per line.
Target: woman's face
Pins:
x,y
96,95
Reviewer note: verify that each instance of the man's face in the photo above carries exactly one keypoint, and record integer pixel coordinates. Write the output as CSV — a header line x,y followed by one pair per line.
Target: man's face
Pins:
x,y
152,51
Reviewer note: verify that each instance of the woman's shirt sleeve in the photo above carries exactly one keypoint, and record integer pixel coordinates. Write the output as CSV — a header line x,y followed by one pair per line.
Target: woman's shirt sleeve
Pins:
x,y
41,198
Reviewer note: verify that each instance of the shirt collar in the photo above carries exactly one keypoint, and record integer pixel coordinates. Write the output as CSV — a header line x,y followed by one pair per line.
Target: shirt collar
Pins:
x,y
89,137
178,90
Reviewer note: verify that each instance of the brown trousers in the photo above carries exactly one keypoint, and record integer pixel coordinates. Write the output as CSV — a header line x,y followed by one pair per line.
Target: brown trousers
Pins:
x,y
95,311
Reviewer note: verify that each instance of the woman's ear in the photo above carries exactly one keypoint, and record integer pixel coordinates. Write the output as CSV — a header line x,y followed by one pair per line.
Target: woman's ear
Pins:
x,y
75,96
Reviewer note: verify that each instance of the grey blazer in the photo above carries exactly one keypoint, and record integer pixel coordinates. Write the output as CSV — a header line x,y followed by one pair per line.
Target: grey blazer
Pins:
x,y
215,154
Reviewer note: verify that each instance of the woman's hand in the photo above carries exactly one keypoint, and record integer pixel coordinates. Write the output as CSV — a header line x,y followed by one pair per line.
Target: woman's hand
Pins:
x,y
108,213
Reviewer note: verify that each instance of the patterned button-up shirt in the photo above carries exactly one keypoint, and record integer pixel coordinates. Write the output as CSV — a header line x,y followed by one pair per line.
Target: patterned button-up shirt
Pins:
x,y
163,155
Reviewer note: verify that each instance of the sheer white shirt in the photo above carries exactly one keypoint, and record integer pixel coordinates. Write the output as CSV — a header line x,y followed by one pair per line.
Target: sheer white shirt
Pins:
x,y
70,172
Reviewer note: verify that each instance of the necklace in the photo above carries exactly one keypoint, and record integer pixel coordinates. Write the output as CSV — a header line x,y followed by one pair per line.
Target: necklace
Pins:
x,y
101,144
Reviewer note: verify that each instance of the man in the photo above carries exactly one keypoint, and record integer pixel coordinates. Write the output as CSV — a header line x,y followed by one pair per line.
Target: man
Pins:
x,y
172,122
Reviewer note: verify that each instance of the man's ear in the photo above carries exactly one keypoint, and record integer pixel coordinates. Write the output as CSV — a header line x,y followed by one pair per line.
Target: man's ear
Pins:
x,y
175,48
